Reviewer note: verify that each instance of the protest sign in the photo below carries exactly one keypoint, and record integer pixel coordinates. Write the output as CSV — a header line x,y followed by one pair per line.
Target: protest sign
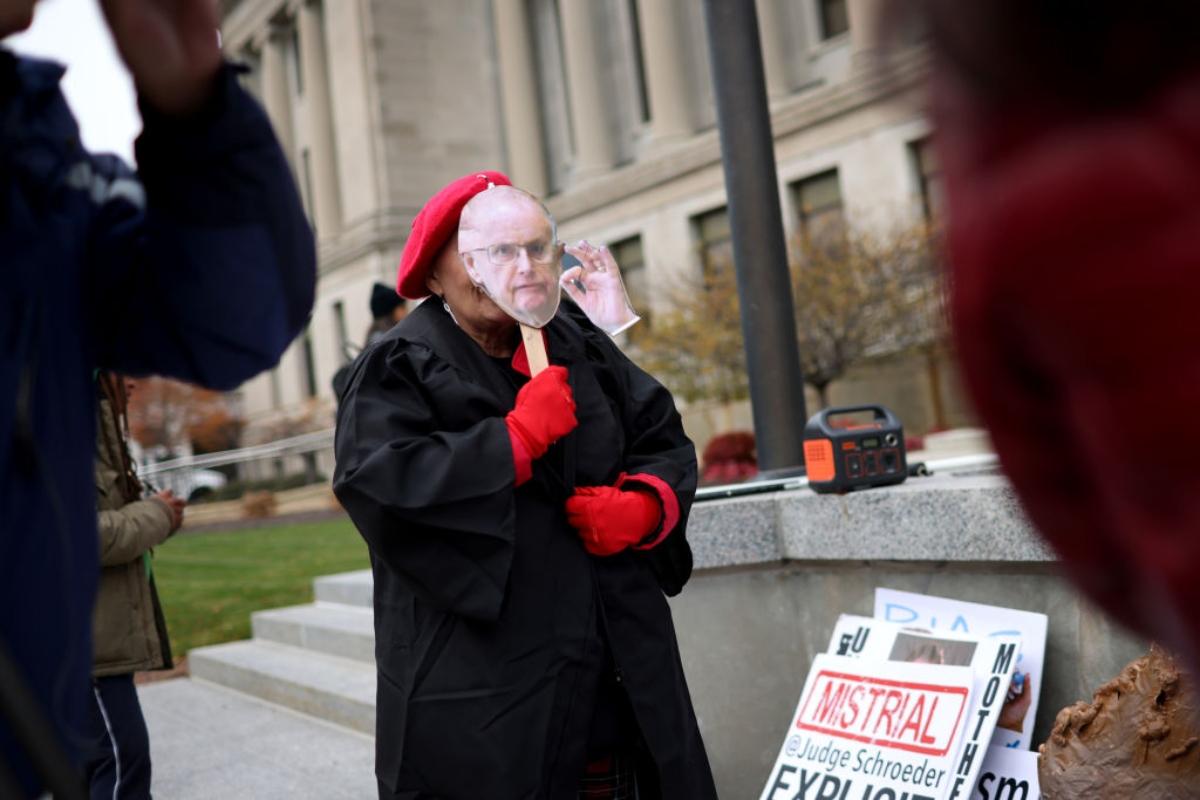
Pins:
x,y
1015,723
1008,774
865,730
991,659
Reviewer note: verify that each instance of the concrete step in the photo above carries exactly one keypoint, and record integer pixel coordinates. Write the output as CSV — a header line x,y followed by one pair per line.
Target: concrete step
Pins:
x,y
350,588
207,741
338,690
332,628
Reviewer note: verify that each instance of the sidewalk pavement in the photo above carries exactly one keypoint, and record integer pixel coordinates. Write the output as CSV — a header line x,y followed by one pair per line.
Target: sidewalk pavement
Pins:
x,y
206,742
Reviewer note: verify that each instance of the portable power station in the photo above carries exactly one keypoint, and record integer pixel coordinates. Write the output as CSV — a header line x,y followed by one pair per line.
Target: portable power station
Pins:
x,y
853,454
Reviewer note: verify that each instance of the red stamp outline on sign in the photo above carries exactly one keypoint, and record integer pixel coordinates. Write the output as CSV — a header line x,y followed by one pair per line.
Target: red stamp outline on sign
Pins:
x,y
866,679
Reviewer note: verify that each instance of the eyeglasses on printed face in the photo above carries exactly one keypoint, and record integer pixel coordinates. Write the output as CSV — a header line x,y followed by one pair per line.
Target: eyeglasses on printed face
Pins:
x,y
506,253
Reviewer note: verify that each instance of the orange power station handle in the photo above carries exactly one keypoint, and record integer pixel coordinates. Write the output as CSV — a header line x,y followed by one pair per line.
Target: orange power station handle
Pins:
x,y
818,459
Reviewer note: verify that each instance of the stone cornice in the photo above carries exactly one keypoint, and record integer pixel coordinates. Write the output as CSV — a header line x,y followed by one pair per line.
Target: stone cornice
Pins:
x,y
247,21
865,86
368,234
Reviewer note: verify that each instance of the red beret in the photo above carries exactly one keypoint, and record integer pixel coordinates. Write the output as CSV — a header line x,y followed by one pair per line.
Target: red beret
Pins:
x,y
433,226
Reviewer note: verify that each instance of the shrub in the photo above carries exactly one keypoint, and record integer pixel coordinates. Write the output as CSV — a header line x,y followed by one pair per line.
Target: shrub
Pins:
x,y
729,458
256,505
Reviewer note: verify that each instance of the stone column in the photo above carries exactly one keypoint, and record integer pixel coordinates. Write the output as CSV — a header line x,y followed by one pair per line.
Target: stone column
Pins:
x,y
864,18
594,151
519,95
327,207
276,94
664,60
770,33
346,54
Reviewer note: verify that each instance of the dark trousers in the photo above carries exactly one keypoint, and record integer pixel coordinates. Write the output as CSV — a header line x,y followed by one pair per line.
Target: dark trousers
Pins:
x,y
118,746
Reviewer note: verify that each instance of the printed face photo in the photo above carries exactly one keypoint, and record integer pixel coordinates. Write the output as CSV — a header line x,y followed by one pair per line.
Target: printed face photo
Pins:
x,y
928,650
508,245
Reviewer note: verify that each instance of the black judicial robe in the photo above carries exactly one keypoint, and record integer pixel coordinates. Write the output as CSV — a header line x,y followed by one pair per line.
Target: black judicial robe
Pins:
x,y
490,617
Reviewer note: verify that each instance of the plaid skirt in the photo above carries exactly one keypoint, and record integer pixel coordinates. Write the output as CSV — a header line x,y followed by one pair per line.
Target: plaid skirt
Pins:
x,y
610,778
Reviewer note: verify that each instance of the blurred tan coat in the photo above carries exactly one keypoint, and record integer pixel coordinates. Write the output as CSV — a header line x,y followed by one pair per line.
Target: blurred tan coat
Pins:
x,y
128,628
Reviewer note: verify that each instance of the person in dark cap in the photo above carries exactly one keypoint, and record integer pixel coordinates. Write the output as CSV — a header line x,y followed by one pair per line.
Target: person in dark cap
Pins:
x,y
524,534
387,308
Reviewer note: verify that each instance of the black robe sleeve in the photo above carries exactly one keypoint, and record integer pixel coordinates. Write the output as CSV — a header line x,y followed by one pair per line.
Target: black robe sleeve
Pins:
x,y
658,446
655,446
434,503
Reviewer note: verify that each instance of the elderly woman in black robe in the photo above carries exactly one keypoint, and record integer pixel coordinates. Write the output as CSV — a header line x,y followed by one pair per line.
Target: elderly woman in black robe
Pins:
x,y
524,535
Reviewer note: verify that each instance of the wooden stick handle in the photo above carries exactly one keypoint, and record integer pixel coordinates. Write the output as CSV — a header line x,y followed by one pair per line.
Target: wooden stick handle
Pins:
x,y
535,349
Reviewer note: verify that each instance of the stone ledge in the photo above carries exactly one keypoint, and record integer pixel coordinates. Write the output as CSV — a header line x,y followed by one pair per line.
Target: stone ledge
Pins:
x,y
940,518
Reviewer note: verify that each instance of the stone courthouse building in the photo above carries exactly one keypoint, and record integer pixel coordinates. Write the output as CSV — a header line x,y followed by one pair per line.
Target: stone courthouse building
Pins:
x,y
604,107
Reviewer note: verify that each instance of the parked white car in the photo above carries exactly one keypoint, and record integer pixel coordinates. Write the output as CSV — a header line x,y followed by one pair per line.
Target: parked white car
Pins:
x,y
190,483
205,481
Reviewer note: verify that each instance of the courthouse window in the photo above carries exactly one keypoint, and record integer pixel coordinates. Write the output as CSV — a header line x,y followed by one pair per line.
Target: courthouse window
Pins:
x,y
714,239
251,80
639,61
310,367
632,261
340,332
819,209
834,19
929,178
294,57
306,191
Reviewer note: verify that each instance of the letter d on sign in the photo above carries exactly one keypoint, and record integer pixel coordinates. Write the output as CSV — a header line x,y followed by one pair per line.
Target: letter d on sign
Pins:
x,y
894,612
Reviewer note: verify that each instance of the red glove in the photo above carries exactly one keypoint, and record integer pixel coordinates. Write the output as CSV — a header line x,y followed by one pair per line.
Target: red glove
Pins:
x,y
610,519
544,413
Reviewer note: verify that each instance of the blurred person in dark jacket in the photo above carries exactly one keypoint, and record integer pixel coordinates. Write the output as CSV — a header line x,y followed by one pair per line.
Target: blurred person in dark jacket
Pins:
x,y
199,266
129,629
387,308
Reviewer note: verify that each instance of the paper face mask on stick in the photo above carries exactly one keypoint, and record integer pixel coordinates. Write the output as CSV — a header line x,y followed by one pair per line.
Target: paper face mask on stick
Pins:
x,y
507,242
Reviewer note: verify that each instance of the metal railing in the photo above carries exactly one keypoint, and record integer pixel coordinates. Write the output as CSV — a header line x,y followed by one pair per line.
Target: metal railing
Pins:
x,y
304,451
980,463
175,474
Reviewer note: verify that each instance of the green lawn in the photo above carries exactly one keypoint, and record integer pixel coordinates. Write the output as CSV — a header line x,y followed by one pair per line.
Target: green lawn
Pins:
x,y
210,582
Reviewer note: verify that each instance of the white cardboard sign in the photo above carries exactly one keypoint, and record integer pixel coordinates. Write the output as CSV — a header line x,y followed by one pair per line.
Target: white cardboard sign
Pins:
x,y
991,659
1008,774
939,614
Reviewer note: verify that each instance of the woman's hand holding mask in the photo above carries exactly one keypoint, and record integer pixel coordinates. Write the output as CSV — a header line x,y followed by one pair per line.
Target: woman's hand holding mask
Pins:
x,y
543,414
